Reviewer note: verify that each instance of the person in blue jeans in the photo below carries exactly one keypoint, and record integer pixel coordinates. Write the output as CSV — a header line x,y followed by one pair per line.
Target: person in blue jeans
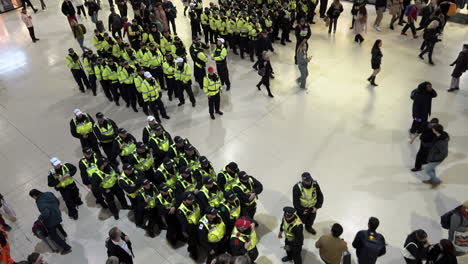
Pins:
x,y
437,154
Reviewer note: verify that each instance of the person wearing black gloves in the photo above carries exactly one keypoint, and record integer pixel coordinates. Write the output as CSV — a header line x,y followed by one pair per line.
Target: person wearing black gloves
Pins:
x,y
81,127
307,199
186,183
427,138
166,206
159,143
146,206
369,244
88,165
130,182
212,234
188,214
247,189
209,195
244,238
104,182
61,178
293,230
105,130
422,105
416,247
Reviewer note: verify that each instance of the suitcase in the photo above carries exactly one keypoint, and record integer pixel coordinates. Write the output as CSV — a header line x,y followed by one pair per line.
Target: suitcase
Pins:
x,y
40,231
100,26
346,258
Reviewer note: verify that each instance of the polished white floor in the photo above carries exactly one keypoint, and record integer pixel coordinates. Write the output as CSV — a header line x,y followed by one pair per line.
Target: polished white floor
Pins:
x,y
350,136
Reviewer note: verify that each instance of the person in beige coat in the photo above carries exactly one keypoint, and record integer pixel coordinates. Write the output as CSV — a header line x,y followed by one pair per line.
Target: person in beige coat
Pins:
x,y
331,247
160,15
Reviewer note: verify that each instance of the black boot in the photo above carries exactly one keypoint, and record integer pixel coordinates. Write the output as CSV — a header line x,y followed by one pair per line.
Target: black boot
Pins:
x,y
373,81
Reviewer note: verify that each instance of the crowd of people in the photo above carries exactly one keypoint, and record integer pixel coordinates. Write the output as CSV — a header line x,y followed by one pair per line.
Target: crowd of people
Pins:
x,y
165,181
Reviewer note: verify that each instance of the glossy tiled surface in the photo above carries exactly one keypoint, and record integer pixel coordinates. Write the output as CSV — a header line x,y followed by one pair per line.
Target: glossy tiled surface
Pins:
x,y
351,137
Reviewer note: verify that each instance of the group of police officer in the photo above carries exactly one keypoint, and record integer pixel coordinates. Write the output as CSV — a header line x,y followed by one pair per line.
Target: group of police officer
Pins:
x,y
169,185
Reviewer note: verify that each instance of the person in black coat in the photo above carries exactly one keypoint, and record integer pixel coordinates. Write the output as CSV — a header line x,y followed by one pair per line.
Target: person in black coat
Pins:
x,y
415,247
376,60
461,65
118,244
266,71
333,13
263,44
427,138
69,11
369,244
442,253
422,104
115,23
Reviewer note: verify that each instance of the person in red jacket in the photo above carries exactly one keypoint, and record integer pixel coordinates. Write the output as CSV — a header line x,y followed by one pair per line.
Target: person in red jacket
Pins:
x,y
411,12
5,257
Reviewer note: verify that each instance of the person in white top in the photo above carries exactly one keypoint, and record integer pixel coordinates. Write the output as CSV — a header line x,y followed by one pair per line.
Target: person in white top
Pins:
x,y
27,19
79,5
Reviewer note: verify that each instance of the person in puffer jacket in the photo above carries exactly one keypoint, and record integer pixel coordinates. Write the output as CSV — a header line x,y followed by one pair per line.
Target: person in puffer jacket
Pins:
x,y
437,154
416,247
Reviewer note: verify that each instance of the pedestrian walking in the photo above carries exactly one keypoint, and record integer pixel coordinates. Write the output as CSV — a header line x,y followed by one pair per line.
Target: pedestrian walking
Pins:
x,y
79,5
396,7
416,247
93,10
461,66
302,62
369,244
49,207
115,23
333,13
437,154
27,20
293,230
380,6
422,105
266,71
411,12
212,88
360,24
307,199
376,60
68,10
331,246
427,138
78,32
430,38
118,245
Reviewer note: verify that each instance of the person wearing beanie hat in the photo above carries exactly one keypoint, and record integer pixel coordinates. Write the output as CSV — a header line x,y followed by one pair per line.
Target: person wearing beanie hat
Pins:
x,y
168,66
212,234
292,227
219,56
247,188
105,130
88,165
228,176
151,94
166,205
244,238
186,183
81,127
166,173
190,158
148,130
461,65
146,208
209,194
130,181
124,145
142,159
205,168
307,199
104,183
188,215
212,88
199,61
183,77
159,143
61,178
230,209
458,227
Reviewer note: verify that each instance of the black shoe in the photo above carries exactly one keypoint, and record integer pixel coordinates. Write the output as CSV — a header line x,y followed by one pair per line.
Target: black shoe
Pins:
x,y
313,22
194,256
258,87
128,105
311,230
255,68
369,79
351,27
166,117
126,207
212,116
219,113
94,94
116,216
170,98
135,110
270,95
228,87
416,169
74,217
193,104
35,11
151,234
288,40
421,56
65,252
6,227
252,60
180,104
282,43
117,103
79,203
431,63
391,27
453,89
103,205
286,259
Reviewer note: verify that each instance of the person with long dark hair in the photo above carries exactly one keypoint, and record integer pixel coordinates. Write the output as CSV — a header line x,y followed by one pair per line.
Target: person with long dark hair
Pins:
x,y
333,13
376,60
360,24
265,70
442,253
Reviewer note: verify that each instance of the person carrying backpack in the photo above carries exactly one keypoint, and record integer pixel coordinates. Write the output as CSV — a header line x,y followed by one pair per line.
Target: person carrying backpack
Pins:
x,y
416,247
369,244
456,221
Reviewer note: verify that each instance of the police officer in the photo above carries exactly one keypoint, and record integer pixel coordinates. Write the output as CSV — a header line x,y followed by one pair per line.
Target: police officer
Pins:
x,y
146,207
148,131
247,188
105,130
168,69
88,165
188,215
166,174
212,234
124,145
190,158
154,59
307,199
292,227
81,127
206,169
219,56
159,144
209,195
183,77
244,238
61,178
204,17
103,78
166,206
186,182
142,159
109,74
230,209
199,61
177,149
151,94
104,182
126,77
138,80
285,18
227,177
89,61
212,88
73,62
130,182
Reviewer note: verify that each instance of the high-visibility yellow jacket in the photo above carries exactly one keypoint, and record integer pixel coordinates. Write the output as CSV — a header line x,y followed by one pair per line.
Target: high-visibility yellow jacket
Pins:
x,y
98,69
109,74
150,92
124,75
220,53
184,75
88,66
211,87
73,64
97,43
168,69
138,81
153,58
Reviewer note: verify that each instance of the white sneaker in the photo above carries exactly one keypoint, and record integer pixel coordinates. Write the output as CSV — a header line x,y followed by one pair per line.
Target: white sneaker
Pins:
x,y
378,28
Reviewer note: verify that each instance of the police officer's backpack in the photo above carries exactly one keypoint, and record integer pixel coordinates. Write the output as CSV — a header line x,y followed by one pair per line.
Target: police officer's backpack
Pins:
x,y
445,219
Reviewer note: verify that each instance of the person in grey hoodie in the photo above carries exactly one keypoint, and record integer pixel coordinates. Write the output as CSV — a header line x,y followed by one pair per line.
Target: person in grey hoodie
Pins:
x,y
459,224
437,154
51,217
302,61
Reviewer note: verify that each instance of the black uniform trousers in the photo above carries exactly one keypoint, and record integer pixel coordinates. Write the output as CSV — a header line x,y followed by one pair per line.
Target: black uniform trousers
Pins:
x,y
173,230
142,103
92,83
206,32
158,73
80,78
213,103
253,254
130,94
427,47
199,74
170,87
223,73
192,239
157,107
308,219
252,49
181,87
71,196
106,87
110,200
294,252
243,45
90,142
249,210
421,156
213,35
114,89
218,248
286,28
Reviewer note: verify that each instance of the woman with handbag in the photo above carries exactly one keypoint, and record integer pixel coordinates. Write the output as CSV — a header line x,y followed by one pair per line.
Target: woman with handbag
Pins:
x,y
333,13
265,70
